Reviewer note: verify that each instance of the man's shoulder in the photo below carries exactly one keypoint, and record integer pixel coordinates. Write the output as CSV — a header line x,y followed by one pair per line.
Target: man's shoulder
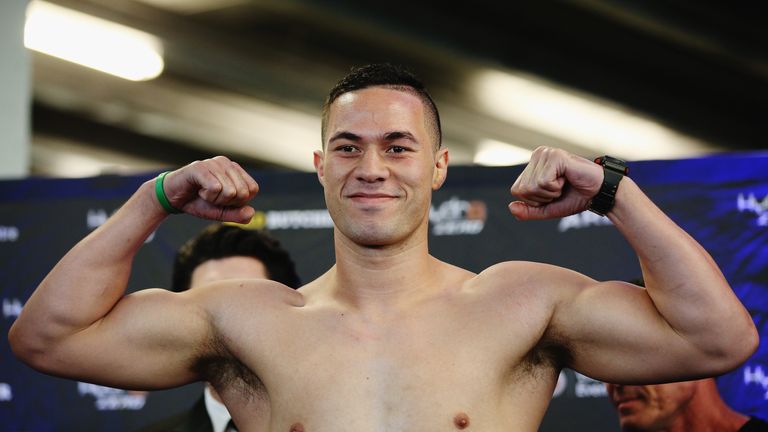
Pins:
x,y
523,273
526,279
259,303
261,291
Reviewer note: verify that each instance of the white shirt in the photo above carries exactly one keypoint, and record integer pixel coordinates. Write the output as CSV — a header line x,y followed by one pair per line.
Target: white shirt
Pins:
x,y
216,411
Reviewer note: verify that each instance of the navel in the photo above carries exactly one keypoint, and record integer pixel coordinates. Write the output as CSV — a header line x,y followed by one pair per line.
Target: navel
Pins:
x,y
461,421
297,427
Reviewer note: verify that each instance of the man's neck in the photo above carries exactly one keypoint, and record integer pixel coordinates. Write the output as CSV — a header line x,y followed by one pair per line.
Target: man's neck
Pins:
x,y
381,278
708,413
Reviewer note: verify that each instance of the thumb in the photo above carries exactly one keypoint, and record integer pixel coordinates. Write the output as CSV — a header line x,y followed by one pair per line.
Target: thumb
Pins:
x,y
203,209
523,211
241,215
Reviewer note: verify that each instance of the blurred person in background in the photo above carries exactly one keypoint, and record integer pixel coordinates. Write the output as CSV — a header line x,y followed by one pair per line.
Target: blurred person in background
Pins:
x,y
217,253
677,407
689,406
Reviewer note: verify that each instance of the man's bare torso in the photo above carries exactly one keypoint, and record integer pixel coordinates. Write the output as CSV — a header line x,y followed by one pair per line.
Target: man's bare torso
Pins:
x,y
461,358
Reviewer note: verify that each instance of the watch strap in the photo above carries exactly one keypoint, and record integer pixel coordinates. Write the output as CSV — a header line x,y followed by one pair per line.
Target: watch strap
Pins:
x,y
613,171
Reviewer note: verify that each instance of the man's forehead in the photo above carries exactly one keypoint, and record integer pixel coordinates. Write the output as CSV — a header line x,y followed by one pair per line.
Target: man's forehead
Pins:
x,y
378,103
373,95
231,267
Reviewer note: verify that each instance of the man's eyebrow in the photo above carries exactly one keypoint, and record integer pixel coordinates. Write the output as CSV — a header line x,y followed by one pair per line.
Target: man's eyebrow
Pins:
x,y
395,135
344,135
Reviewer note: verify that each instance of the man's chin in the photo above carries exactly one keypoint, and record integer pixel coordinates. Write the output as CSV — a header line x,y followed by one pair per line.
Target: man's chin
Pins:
x,y
373,237
632,424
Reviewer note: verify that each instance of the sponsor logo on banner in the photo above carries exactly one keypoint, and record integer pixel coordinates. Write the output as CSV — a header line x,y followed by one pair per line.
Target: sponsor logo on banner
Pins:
x,y
95,218
452,217
584,219
587,387
11,307
458,217
290,220
750,204
9,233
112,399
6,395
755,375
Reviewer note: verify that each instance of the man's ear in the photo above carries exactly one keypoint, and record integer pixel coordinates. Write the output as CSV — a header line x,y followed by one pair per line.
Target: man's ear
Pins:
x,y
441,168
319,157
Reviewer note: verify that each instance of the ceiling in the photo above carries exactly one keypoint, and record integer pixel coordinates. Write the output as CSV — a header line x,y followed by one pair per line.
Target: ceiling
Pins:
x,y
247,78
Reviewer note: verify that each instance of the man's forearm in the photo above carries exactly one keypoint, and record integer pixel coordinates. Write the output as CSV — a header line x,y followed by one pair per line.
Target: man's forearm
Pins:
x,y
683,280
91,278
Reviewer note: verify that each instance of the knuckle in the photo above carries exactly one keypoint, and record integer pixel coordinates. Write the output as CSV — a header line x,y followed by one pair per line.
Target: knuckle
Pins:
x,y
543,183
228,192
216,187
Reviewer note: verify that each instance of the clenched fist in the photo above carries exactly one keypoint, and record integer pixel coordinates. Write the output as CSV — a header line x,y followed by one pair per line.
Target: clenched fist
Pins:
x,y
217,189
555,184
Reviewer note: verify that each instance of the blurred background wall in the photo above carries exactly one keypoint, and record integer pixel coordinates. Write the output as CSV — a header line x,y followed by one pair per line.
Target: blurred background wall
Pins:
x,y
247,78
14,91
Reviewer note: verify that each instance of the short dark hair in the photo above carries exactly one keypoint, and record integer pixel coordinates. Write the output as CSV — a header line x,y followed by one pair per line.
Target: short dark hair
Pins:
x,y
223,241
390,76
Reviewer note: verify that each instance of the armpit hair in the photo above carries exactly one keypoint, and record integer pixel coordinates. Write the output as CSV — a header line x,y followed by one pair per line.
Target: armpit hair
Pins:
x,y
219,367
551,351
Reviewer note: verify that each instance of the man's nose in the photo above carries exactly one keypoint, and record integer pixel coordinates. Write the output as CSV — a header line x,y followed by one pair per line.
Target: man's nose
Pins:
x,y
372,167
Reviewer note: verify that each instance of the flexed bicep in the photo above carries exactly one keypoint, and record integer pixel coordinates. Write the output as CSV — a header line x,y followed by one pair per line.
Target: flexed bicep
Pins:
x,y
151,339
614,333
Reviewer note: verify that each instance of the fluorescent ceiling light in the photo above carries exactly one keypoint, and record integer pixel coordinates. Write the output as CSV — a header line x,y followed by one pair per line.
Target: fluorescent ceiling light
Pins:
x,y
578,118
194,6
92,42
497,153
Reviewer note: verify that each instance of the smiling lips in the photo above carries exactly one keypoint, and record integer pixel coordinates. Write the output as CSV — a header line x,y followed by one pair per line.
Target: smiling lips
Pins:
x,y
370,197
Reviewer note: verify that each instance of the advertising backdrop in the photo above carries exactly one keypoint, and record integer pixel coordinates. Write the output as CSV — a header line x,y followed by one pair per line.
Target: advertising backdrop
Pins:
x,y
721,200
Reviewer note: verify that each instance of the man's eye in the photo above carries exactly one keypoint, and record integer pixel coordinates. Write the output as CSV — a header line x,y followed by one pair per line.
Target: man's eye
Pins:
x,y
397,149
346,149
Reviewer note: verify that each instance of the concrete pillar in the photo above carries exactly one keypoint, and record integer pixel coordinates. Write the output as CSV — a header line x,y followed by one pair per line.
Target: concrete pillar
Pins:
x,y
15,93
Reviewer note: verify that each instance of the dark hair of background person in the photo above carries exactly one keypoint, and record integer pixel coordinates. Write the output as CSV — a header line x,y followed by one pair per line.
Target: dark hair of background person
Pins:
x,y
390,76
224,241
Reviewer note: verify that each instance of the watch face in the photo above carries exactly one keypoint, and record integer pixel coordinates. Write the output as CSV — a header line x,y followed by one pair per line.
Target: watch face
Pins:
x,y
614,164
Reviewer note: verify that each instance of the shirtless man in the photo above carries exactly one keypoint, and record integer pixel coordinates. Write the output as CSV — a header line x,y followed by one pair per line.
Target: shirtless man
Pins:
x,y
390,338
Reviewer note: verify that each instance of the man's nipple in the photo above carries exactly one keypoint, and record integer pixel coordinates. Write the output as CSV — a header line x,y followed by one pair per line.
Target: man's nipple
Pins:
x,y
461,421
297,427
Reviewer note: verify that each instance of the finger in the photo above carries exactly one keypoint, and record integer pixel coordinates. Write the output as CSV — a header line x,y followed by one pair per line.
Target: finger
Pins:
x,y
537,200
524,211
231,185
241,215
549,182
253,186
246,185
538,179
216,187
206,210
240,188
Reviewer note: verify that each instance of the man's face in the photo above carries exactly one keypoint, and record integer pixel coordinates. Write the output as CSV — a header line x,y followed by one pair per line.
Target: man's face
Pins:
x,y
379,166
235,267
650,407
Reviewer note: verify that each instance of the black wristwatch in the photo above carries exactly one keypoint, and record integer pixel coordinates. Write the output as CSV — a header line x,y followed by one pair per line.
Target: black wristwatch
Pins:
x,y
614,170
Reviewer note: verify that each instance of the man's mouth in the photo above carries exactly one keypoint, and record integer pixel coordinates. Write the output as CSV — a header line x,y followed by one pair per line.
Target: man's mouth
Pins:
x,y
370,197
624,404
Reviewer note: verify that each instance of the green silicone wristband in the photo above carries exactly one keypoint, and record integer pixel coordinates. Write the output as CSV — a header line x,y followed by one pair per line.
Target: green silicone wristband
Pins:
x,y
160,193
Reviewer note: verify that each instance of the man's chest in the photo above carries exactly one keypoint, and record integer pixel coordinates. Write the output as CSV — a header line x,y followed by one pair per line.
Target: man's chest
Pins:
x,y
407,371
